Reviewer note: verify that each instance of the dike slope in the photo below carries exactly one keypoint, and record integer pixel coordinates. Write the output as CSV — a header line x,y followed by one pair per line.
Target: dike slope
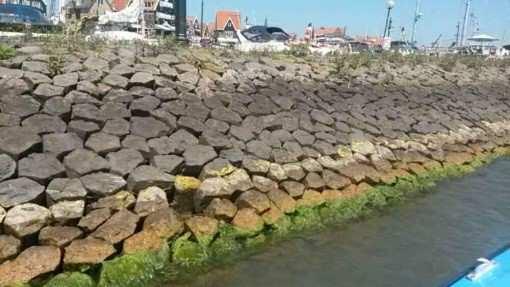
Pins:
x,y
108,153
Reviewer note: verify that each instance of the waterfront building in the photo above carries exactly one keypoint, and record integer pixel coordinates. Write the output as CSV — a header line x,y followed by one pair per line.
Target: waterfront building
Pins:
x,y
23,11
227,24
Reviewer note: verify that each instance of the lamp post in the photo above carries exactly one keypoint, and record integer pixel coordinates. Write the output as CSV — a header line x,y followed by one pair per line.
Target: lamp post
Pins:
x,y
180,20
390,4
417,16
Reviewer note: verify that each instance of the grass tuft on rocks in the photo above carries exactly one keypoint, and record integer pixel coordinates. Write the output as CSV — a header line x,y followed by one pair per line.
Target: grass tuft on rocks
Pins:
x,y
133,270
75,279
6,52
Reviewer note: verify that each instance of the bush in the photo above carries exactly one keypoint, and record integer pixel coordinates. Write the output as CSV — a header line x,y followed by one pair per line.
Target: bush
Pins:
x,y
6,52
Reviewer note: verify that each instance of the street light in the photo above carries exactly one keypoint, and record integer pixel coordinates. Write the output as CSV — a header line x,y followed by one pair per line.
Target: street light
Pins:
x,y
180,20
390,4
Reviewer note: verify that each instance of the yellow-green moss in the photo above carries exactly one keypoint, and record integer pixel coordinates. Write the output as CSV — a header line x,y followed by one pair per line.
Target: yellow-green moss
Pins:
x,y
74,279
186,183
187,253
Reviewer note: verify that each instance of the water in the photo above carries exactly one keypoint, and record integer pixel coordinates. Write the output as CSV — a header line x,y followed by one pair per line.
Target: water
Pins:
x,y
424,242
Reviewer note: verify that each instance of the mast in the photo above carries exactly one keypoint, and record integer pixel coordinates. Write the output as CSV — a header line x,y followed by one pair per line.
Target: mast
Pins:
x,y
202,20
417,16
465,23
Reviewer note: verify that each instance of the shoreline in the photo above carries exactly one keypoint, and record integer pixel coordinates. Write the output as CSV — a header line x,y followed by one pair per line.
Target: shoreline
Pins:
x,y
116,153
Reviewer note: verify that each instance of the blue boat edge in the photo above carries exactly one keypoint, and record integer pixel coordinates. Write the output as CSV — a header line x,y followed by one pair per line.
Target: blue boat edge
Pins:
x,y
471,268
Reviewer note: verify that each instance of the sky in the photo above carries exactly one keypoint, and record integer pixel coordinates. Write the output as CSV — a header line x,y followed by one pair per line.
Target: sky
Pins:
x,y
362,17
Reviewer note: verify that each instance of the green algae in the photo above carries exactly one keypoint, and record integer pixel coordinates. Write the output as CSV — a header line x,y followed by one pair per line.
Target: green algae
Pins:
x,y
187,253
133,270
185,257
75,279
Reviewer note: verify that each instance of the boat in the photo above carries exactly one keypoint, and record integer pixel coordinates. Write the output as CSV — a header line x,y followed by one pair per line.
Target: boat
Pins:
x,y
493,271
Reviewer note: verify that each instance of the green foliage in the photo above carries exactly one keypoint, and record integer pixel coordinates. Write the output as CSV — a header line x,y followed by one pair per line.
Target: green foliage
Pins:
x,y
299,50
56,64
255,242
187,253
133,270
71,279
6,52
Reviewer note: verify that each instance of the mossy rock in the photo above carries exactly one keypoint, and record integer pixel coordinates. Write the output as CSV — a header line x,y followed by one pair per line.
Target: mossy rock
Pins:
x,y
187,253
71,279
186,183
282,227
133,270
225,247
306,218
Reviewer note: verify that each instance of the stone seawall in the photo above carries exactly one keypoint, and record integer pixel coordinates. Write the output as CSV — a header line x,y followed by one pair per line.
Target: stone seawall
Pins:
x,y
110,153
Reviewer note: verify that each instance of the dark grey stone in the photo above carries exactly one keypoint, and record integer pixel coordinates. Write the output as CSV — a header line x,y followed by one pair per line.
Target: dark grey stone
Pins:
x,y
116,127
226,115
259,149
43,124
18,191
124,161
87,112
7,167
16,141
47,91
293,188
57,106
103,143
168,163
196,156
81,162
193,125
82,128
148,127
21,106
241,133
40,167
303,137
144,106
146,176
103,184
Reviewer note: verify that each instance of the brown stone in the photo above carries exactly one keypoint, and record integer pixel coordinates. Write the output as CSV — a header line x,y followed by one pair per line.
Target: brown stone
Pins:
x,y
282,200
88,251
165,220
95,218
118,201
10,246
458,158
58,236
119,227
272,215
311,198
203,228
146,240
331,195
253,199
221,209
248,220
32,262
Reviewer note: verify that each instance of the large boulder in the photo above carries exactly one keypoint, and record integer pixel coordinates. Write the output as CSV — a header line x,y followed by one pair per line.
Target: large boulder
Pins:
x,y
65,211
81,162
59,236
65,189
195,157
103,143
150,200
203,228
87,251
40,167
61,144
16,141
239,180
10,246
253,199
102,183
119,227
222,209
43,124
210,188
145,176
26,219
148,127
124,161
21,106
32,262
282,200
7,167
18,191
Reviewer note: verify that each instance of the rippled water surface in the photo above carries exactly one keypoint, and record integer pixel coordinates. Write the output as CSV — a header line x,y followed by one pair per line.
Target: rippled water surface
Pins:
x,y
424,242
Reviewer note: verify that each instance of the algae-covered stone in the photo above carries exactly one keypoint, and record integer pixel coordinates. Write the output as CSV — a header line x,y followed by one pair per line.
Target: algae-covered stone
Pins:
x,y
203,228
186,183
277,173
248,221
272,216
188,253
217,168
74,279
133,270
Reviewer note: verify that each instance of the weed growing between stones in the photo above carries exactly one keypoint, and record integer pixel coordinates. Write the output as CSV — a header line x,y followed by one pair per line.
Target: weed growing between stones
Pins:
x,y
6,52
184,257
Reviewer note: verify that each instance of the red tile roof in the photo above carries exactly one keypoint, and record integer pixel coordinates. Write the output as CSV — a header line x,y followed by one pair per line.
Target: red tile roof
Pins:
x,y
329,31
222,18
